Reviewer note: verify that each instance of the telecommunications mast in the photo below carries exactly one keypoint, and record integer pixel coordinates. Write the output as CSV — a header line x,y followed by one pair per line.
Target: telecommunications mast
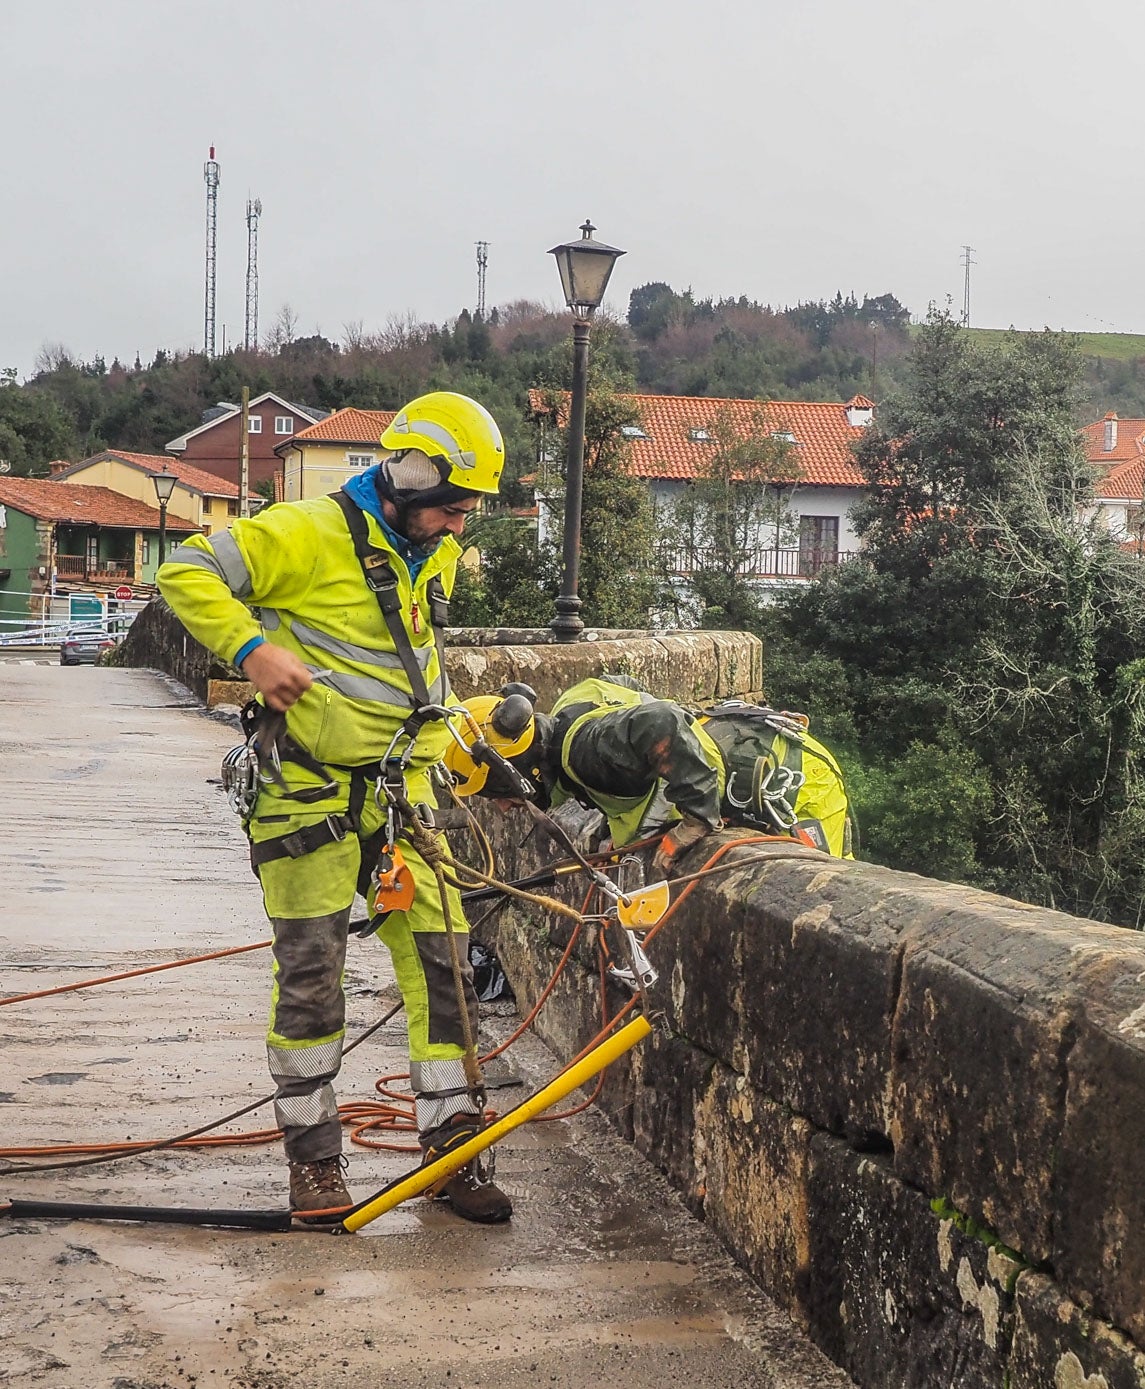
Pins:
x,y
482,264
253,213
211,178
967,261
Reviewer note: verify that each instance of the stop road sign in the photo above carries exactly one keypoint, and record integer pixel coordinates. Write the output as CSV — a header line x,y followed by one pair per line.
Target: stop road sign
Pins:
x,y
123,593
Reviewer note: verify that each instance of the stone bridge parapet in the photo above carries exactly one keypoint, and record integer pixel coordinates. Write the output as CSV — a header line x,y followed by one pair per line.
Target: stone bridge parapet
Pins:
x,y
693,667
914,1111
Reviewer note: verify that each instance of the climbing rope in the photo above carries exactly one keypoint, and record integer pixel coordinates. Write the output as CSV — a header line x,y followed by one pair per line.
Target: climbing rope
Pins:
x,y
395,1111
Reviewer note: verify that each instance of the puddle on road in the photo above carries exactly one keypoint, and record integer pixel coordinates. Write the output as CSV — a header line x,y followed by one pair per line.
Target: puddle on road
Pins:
x,y
58,1078
636,1275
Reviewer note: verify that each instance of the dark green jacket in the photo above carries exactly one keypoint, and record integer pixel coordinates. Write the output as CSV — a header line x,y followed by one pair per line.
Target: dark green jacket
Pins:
x,y
643,761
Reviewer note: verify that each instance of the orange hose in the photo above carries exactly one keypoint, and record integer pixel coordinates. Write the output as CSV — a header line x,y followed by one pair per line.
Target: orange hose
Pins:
x,y
133,973
362,1117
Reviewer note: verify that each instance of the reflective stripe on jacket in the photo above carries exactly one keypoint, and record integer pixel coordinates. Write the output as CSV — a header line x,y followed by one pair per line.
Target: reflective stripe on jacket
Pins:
x,y
295,564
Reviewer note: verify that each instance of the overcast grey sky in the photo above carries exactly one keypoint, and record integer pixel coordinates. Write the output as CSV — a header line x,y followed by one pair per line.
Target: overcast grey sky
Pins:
x,y
781,149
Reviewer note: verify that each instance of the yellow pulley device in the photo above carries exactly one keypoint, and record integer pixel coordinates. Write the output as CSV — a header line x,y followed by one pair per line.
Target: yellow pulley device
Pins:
x,y
639,911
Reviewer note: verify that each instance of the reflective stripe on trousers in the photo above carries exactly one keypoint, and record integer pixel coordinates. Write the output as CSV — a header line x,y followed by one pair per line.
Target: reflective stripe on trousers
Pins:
x,y
304,1042
304,1035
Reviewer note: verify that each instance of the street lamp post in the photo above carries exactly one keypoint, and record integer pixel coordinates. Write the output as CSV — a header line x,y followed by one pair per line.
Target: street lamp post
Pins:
x,y
585,267
164,484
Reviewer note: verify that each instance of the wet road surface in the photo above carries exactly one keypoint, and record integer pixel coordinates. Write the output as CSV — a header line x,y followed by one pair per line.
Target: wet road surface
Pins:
x,y
116,850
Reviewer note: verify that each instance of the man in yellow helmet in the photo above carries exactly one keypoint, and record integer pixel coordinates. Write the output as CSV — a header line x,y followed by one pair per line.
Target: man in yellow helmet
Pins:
x,y
335,610
652,767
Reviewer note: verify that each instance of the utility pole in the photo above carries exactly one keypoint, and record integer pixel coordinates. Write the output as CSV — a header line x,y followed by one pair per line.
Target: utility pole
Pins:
x,y
253,213
211,178
874,361
482,265
244,455
967,261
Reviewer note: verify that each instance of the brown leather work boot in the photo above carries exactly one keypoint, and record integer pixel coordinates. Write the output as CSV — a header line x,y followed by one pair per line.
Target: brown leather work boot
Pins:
x,y
318,1186
476,1197
471,1192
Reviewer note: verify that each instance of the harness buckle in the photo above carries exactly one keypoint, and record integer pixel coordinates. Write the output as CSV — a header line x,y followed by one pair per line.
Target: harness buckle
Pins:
x,y
381,580
337,828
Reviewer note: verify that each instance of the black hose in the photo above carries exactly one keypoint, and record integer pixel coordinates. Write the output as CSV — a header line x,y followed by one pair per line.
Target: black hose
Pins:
x,y
169,1215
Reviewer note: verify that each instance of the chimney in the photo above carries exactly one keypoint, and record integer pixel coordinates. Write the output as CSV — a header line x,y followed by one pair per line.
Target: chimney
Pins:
x,y
859,411
1110,442
57,465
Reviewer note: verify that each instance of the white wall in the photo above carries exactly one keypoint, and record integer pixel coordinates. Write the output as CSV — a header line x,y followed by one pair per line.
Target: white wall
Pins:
x,y
802,500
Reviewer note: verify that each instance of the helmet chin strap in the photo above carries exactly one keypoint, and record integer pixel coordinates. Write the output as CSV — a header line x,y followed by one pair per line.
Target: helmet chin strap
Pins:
x,y
401,503
404,501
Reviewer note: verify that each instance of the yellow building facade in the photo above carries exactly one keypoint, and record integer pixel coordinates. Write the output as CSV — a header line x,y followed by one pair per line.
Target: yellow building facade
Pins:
x,y
318,460
207,502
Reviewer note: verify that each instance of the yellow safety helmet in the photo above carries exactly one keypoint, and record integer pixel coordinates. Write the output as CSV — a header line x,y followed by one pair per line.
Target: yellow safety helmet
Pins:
x,y
457,433
506,722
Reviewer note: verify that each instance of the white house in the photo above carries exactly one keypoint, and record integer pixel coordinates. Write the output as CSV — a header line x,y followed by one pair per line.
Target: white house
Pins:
x,y
1116,449
674,440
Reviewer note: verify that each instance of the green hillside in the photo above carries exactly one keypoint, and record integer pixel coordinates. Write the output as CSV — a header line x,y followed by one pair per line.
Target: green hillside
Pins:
x,y
1121,347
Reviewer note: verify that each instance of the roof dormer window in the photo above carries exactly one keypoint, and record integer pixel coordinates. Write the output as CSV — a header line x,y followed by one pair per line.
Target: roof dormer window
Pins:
x,y
632,431
700,435
785,435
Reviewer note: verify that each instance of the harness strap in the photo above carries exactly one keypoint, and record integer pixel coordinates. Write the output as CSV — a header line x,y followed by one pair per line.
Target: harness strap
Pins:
x,y
302,841
383,583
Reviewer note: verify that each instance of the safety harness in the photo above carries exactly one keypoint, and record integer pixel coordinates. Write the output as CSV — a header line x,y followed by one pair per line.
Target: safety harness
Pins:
x,y
384,870
268,744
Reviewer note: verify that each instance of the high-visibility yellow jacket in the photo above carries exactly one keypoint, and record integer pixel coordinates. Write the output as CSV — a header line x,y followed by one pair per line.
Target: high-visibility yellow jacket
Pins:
x,y
292,576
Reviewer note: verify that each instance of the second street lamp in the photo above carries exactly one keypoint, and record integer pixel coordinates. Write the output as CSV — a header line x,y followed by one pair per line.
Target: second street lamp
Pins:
x,y
164,484
585,267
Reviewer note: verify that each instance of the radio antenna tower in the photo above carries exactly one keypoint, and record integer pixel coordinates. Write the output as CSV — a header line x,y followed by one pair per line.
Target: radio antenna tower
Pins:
x,y
482,264
211,178
253,213
967,261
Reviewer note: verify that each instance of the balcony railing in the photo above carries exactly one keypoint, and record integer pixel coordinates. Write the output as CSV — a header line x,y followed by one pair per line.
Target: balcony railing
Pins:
x,y
107,571
762,563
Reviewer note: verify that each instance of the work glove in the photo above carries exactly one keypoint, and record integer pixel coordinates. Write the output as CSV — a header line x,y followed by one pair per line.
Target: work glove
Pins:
x,y
681,837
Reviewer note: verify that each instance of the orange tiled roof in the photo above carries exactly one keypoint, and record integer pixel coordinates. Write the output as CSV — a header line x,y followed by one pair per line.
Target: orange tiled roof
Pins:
x,y
1124,481
1130,440
1123,467
822,447
71,502
188,475
349,426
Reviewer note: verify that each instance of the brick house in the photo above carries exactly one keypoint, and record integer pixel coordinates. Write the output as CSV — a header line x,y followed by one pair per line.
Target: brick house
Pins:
x,y
214,446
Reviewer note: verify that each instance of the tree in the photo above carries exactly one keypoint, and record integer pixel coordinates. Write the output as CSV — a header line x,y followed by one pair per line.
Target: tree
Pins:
x,y
33,428
734,509
986,646
514,583
283,330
